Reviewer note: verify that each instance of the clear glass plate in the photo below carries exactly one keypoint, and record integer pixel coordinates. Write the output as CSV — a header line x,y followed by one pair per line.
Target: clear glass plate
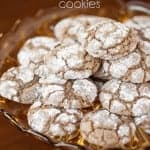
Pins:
x,y
42,24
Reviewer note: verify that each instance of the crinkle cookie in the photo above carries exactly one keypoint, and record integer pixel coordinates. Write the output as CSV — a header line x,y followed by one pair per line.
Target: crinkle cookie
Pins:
x,y
20,84
74,94
67,62
142,25
73,29
134,67
110,40
125,98
35,49
107,130
57,124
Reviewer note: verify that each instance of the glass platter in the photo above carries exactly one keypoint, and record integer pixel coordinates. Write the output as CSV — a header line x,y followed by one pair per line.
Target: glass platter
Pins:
x,y
41,24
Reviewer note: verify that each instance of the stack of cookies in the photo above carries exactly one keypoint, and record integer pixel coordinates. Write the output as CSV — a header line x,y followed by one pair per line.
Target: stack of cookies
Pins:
x,y
91,80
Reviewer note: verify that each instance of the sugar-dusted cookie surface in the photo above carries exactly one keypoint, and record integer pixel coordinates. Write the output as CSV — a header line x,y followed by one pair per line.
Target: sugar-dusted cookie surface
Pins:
x,y
110,40
125,98
57,124
107,130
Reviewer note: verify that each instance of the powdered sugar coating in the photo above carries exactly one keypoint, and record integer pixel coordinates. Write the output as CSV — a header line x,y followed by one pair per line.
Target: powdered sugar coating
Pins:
x,y
73,29
35,49
57,124
102,128
134,67
142,24
47,77
20,84
142,109
68,62
74,94
125,98
110,40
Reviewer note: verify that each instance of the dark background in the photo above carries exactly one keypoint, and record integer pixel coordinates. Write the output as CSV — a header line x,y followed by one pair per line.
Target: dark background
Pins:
x,y
11,10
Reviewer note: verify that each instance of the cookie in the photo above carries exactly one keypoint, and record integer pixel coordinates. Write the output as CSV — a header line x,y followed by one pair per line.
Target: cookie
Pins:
x,y
74,94
125,98
67,62
104,129
110,40
20,84
134,67
35,49
56,124
73,29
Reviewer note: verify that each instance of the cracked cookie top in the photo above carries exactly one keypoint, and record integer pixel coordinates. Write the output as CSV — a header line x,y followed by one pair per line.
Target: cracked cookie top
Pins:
x,y
134,67
102,128
125,98
73,29
68,62
35,49
142,24
57,124
74,94
20,84
110,40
